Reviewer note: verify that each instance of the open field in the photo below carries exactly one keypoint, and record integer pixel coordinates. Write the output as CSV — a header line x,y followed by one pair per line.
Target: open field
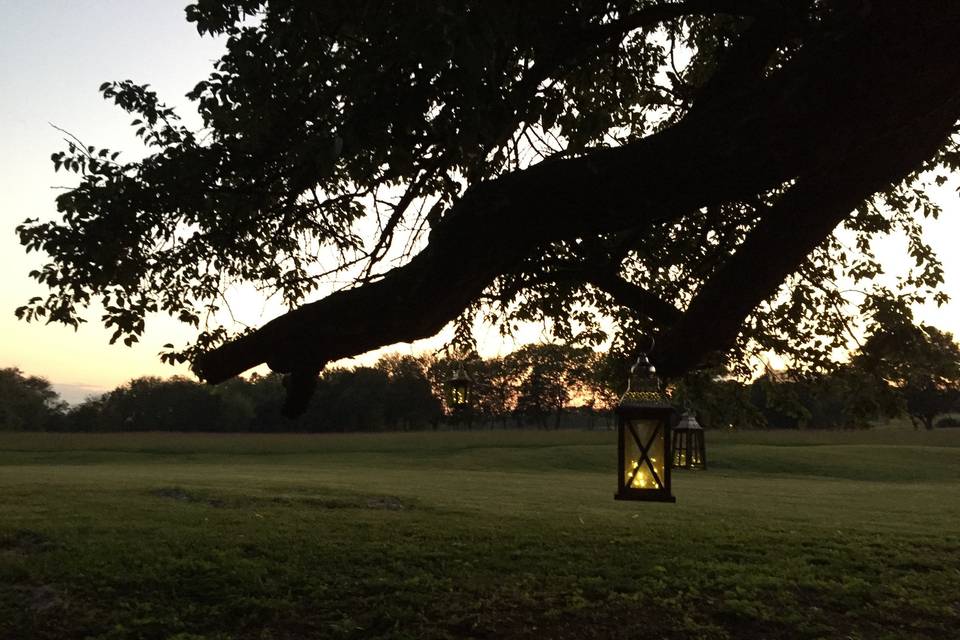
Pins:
x,y
492,535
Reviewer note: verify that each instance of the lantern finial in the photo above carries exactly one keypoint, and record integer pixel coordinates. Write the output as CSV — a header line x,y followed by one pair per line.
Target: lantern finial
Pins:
x,y
643,375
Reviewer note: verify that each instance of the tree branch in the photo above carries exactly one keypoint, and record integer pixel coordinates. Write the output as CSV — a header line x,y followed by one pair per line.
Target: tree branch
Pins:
x,y
655,14
605,278
889,85
789,231
744,64
636,298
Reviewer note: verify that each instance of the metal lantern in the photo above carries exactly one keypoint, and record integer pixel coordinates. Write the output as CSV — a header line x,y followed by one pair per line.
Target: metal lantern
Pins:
x,y
689,448
458,389
643,433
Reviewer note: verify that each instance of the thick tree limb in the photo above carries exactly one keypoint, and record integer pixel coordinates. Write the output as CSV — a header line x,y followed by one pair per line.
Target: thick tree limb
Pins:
x,y
636,298
605,278
879,90
579,45
794,227
744,64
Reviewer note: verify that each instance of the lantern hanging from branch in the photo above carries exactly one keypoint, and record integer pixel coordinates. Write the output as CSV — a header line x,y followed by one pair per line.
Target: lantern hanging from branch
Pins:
x,y
643,431
689,448
458,388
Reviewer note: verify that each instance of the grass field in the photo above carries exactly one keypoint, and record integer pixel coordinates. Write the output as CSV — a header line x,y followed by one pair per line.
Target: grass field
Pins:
x,y
487,535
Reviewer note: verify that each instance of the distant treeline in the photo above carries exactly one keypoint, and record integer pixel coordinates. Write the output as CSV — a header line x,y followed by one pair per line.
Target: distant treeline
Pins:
x,y
538,386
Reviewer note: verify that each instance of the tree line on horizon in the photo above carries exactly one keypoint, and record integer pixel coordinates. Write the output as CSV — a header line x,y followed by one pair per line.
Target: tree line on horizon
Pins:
x,y
537,386
546,386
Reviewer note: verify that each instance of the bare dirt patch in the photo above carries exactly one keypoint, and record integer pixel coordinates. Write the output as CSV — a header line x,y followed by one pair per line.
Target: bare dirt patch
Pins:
x,y
390,503
44,598
386,503
181,494
25,541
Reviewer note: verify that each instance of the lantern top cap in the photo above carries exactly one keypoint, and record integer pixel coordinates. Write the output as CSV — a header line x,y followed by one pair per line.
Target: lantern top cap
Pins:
x,y
643,388
687,421
460,375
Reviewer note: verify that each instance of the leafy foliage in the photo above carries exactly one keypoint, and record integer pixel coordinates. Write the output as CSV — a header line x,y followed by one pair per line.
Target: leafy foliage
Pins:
x,y
335,136
398,393
27,403
948,422
923,364
544,386
174,404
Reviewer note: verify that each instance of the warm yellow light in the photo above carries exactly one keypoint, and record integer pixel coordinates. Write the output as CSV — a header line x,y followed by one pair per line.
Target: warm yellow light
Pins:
x,y
640,480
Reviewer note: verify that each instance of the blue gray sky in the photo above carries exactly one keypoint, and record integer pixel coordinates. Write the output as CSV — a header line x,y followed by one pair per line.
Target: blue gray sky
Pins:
x,y
53,56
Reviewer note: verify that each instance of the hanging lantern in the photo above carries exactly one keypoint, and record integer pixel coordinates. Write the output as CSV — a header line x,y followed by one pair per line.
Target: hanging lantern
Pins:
x,y
689,448
458,388
643,432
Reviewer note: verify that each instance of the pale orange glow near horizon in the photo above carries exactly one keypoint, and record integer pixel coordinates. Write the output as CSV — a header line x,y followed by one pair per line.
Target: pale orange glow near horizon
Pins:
x,y
55,56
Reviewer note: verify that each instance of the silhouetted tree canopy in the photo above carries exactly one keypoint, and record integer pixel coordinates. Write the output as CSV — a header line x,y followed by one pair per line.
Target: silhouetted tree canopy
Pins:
x,y
397,393
677,167
173,404
913,372
922,363
28,403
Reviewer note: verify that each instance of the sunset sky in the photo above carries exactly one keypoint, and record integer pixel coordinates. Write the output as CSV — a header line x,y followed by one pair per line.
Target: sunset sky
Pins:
x,y
53,56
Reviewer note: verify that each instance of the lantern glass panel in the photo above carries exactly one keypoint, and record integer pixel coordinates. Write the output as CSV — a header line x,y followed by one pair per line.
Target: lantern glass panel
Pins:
x,y
637,471
460,394
694,451
689,451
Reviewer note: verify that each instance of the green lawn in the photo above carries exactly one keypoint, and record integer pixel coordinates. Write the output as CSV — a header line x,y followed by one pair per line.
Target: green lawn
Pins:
x,y
487,535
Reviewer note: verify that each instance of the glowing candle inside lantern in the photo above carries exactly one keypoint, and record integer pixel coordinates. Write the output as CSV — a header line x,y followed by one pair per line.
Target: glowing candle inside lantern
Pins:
x,y
646,473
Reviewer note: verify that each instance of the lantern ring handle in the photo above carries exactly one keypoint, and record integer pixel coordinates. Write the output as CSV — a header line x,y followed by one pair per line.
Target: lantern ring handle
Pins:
x,y
650,344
